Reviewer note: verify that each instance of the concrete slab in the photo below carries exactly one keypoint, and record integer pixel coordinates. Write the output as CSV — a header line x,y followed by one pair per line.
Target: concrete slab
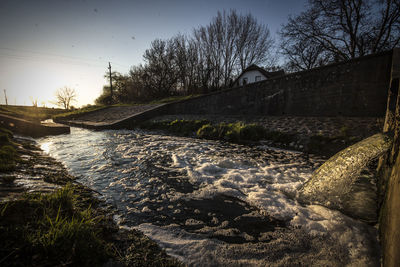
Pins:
x,y
24,127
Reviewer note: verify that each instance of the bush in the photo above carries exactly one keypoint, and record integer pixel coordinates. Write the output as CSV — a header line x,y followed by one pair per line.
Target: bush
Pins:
x,y
252,132
179,127
207,131
279,137
233,132
185,127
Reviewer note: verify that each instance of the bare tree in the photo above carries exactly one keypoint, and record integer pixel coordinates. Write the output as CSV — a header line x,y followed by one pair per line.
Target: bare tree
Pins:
x,y
342,29
64,97
254,43
34,101
160,69
303,54
209,59
229,44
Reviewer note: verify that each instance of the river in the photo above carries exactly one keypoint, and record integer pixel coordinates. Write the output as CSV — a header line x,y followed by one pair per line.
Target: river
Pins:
x,y
213,203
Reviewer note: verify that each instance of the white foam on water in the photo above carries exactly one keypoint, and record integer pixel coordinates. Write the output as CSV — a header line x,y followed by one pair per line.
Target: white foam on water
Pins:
x,y
269,181
276,198
195,250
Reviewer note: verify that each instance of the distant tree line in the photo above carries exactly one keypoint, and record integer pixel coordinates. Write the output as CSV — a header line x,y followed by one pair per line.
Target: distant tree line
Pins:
x,y
208,60
214,55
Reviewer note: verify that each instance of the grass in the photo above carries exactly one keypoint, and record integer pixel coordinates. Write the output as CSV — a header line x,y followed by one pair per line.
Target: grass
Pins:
x,y
81,111
34,114
233,132
171,99
49,229
78,112
8,154
238,132
178,127
67,227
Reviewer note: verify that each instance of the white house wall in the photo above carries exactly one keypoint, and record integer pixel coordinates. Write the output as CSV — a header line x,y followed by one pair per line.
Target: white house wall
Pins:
x,y
251,76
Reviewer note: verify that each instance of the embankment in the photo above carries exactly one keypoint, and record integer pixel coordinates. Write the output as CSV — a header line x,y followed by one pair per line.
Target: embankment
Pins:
x,y
346,99
25,127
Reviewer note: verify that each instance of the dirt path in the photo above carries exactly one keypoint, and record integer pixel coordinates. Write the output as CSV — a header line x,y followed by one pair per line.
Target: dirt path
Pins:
x,y
113,114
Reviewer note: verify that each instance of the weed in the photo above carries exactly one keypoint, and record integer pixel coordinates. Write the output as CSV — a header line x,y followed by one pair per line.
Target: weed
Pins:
x,y
237,132
252,132
280,137
178,127
171,99
8,158
8,179
47,229
77,112
207,131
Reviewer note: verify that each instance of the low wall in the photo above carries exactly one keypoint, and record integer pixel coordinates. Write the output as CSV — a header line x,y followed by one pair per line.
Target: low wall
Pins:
x,y
24,127
356,88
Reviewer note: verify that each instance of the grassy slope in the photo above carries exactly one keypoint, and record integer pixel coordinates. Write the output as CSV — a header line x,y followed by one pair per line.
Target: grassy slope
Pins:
x,y
77,112
81,111
35,114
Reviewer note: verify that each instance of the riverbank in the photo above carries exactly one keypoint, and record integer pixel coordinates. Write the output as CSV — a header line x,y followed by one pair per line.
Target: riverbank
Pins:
x,y
312,135
216,203
47,218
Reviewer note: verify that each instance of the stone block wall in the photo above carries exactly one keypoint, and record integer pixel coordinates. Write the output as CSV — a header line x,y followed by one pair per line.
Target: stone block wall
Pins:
x,y
355,88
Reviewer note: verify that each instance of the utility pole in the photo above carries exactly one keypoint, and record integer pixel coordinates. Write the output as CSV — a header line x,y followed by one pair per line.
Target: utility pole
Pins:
x,y
111,89
5,96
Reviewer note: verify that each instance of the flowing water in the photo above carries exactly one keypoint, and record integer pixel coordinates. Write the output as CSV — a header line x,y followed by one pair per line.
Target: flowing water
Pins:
x,y
212,203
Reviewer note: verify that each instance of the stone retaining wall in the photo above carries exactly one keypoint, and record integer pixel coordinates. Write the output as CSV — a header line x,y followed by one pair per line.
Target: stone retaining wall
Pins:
x,y
356,88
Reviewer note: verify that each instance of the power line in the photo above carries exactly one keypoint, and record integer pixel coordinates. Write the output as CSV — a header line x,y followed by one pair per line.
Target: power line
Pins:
x,y
50,54
84,60
36,59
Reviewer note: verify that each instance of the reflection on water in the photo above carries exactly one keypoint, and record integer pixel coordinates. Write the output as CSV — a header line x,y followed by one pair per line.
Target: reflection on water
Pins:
x,y
46,146
214,203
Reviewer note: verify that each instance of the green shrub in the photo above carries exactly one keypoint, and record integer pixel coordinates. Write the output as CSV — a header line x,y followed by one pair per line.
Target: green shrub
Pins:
x,y
207,131
179,127
232,132
185,127
280,137
252,132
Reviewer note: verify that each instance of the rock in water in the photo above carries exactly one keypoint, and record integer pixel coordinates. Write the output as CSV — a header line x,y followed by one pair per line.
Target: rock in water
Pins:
x,y
331,182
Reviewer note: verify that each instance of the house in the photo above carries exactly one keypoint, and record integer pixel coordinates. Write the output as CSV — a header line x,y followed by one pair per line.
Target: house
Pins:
x,y
255,74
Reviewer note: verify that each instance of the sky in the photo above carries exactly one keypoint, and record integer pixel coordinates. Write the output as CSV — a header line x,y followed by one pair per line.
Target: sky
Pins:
x,y
46,45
